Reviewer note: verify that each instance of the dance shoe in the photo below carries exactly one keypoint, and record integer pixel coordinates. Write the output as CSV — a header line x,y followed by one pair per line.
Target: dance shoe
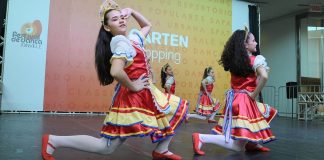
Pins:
x,y
253,147
160,156
195,143
45,143
211,121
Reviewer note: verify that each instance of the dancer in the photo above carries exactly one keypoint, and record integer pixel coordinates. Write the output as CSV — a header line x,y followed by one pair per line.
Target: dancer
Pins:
x,y
138,108
167,79
244,122
206,105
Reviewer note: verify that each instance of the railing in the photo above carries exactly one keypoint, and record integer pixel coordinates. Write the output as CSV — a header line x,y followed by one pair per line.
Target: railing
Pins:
x,y
268,95
286,101
304,102
309,104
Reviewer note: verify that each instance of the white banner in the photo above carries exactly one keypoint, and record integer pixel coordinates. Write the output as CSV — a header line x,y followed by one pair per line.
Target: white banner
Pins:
x,y
25,55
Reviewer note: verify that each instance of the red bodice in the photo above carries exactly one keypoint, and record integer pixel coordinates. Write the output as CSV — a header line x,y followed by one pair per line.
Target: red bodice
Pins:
x,y
172,88
139,66
209,88
248,83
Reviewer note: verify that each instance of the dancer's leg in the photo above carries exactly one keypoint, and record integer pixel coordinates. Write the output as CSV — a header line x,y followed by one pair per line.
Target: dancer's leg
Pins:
x,y
163,146
162,151
196,116
235,145
85,143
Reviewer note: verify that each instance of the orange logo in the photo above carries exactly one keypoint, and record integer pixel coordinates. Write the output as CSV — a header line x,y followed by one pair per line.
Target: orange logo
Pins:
x,y
31,30
29,35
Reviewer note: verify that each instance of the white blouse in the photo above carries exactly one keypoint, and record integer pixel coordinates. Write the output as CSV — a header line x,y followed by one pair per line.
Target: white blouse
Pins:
x,y
260,61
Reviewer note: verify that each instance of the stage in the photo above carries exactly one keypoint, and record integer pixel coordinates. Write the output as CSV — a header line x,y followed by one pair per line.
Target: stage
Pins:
x,y
20,138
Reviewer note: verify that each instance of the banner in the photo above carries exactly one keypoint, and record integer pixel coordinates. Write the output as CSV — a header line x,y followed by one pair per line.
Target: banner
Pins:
x,y
187,34
25,55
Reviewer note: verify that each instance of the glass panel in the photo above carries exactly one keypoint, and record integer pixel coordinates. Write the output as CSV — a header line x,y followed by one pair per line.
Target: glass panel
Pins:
x,y
303,48
311,51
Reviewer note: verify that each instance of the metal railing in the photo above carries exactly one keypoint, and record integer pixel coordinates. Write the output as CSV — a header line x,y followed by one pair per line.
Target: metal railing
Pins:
x,y
268,95
304,102
286,101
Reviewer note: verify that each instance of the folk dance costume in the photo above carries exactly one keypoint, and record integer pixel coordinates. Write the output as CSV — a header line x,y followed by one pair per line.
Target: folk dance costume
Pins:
x,y
207,105
171,83
244,118
143,113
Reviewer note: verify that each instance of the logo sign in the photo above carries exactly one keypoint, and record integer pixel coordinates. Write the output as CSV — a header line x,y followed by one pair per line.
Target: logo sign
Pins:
x,y
29,35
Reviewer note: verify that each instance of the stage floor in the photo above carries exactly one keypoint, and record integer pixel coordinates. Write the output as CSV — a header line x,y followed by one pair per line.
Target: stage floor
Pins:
x,y
20,139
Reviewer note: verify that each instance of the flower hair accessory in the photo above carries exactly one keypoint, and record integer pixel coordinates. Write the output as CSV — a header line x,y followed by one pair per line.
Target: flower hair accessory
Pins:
x,y
106,6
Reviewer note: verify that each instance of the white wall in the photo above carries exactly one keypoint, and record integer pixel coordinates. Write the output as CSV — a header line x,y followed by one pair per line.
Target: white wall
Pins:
x,y
278,45
240,14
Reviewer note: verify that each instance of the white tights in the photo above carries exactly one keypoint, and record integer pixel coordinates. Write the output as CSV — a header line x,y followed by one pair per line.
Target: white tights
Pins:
x,y
235,145
190,115
96,145
85,143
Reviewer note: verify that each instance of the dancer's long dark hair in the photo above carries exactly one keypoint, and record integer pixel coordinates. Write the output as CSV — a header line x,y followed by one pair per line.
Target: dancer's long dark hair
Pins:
x,y
103,54
163,74
207,70
235,57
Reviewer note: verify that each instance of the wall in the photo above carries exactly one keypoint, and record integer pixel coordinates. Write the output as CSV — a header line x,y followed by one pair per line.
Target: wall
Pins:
x,y
278,45
240,12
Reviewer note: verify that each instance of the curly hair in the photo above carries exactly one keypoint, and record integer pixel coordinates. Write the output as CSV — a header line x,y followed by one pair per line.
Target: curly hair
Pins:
x,y
235,58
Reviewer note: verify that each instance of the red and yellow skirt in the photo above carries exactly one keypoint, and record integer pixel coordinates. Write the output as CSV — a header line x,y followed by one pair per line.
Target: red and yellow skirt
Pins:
x,y
134,114
249,120
205,105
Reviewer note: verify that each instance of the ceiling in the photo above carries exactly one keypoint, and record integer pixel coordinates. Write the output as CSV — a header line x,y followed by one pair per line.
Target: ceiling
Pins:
x,y
271,9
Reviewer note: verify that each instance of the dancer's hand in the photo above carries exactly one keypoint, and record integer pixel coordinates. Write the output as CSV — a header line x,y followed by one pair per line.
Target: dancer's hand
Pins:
x,y
140,84
126,12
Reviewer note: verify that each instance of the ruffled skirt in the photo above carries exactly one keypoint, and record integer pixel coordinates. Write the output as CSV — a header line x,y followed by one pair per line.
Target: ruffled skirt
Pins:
x,y
138,114
206,106
249,121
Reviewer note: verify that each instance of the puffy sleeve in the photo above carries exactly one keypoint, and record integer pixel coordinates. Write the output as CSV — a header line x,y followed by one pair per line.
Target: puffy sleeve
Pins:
x,y
209,79
260,61
169,81
122,48
138,37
